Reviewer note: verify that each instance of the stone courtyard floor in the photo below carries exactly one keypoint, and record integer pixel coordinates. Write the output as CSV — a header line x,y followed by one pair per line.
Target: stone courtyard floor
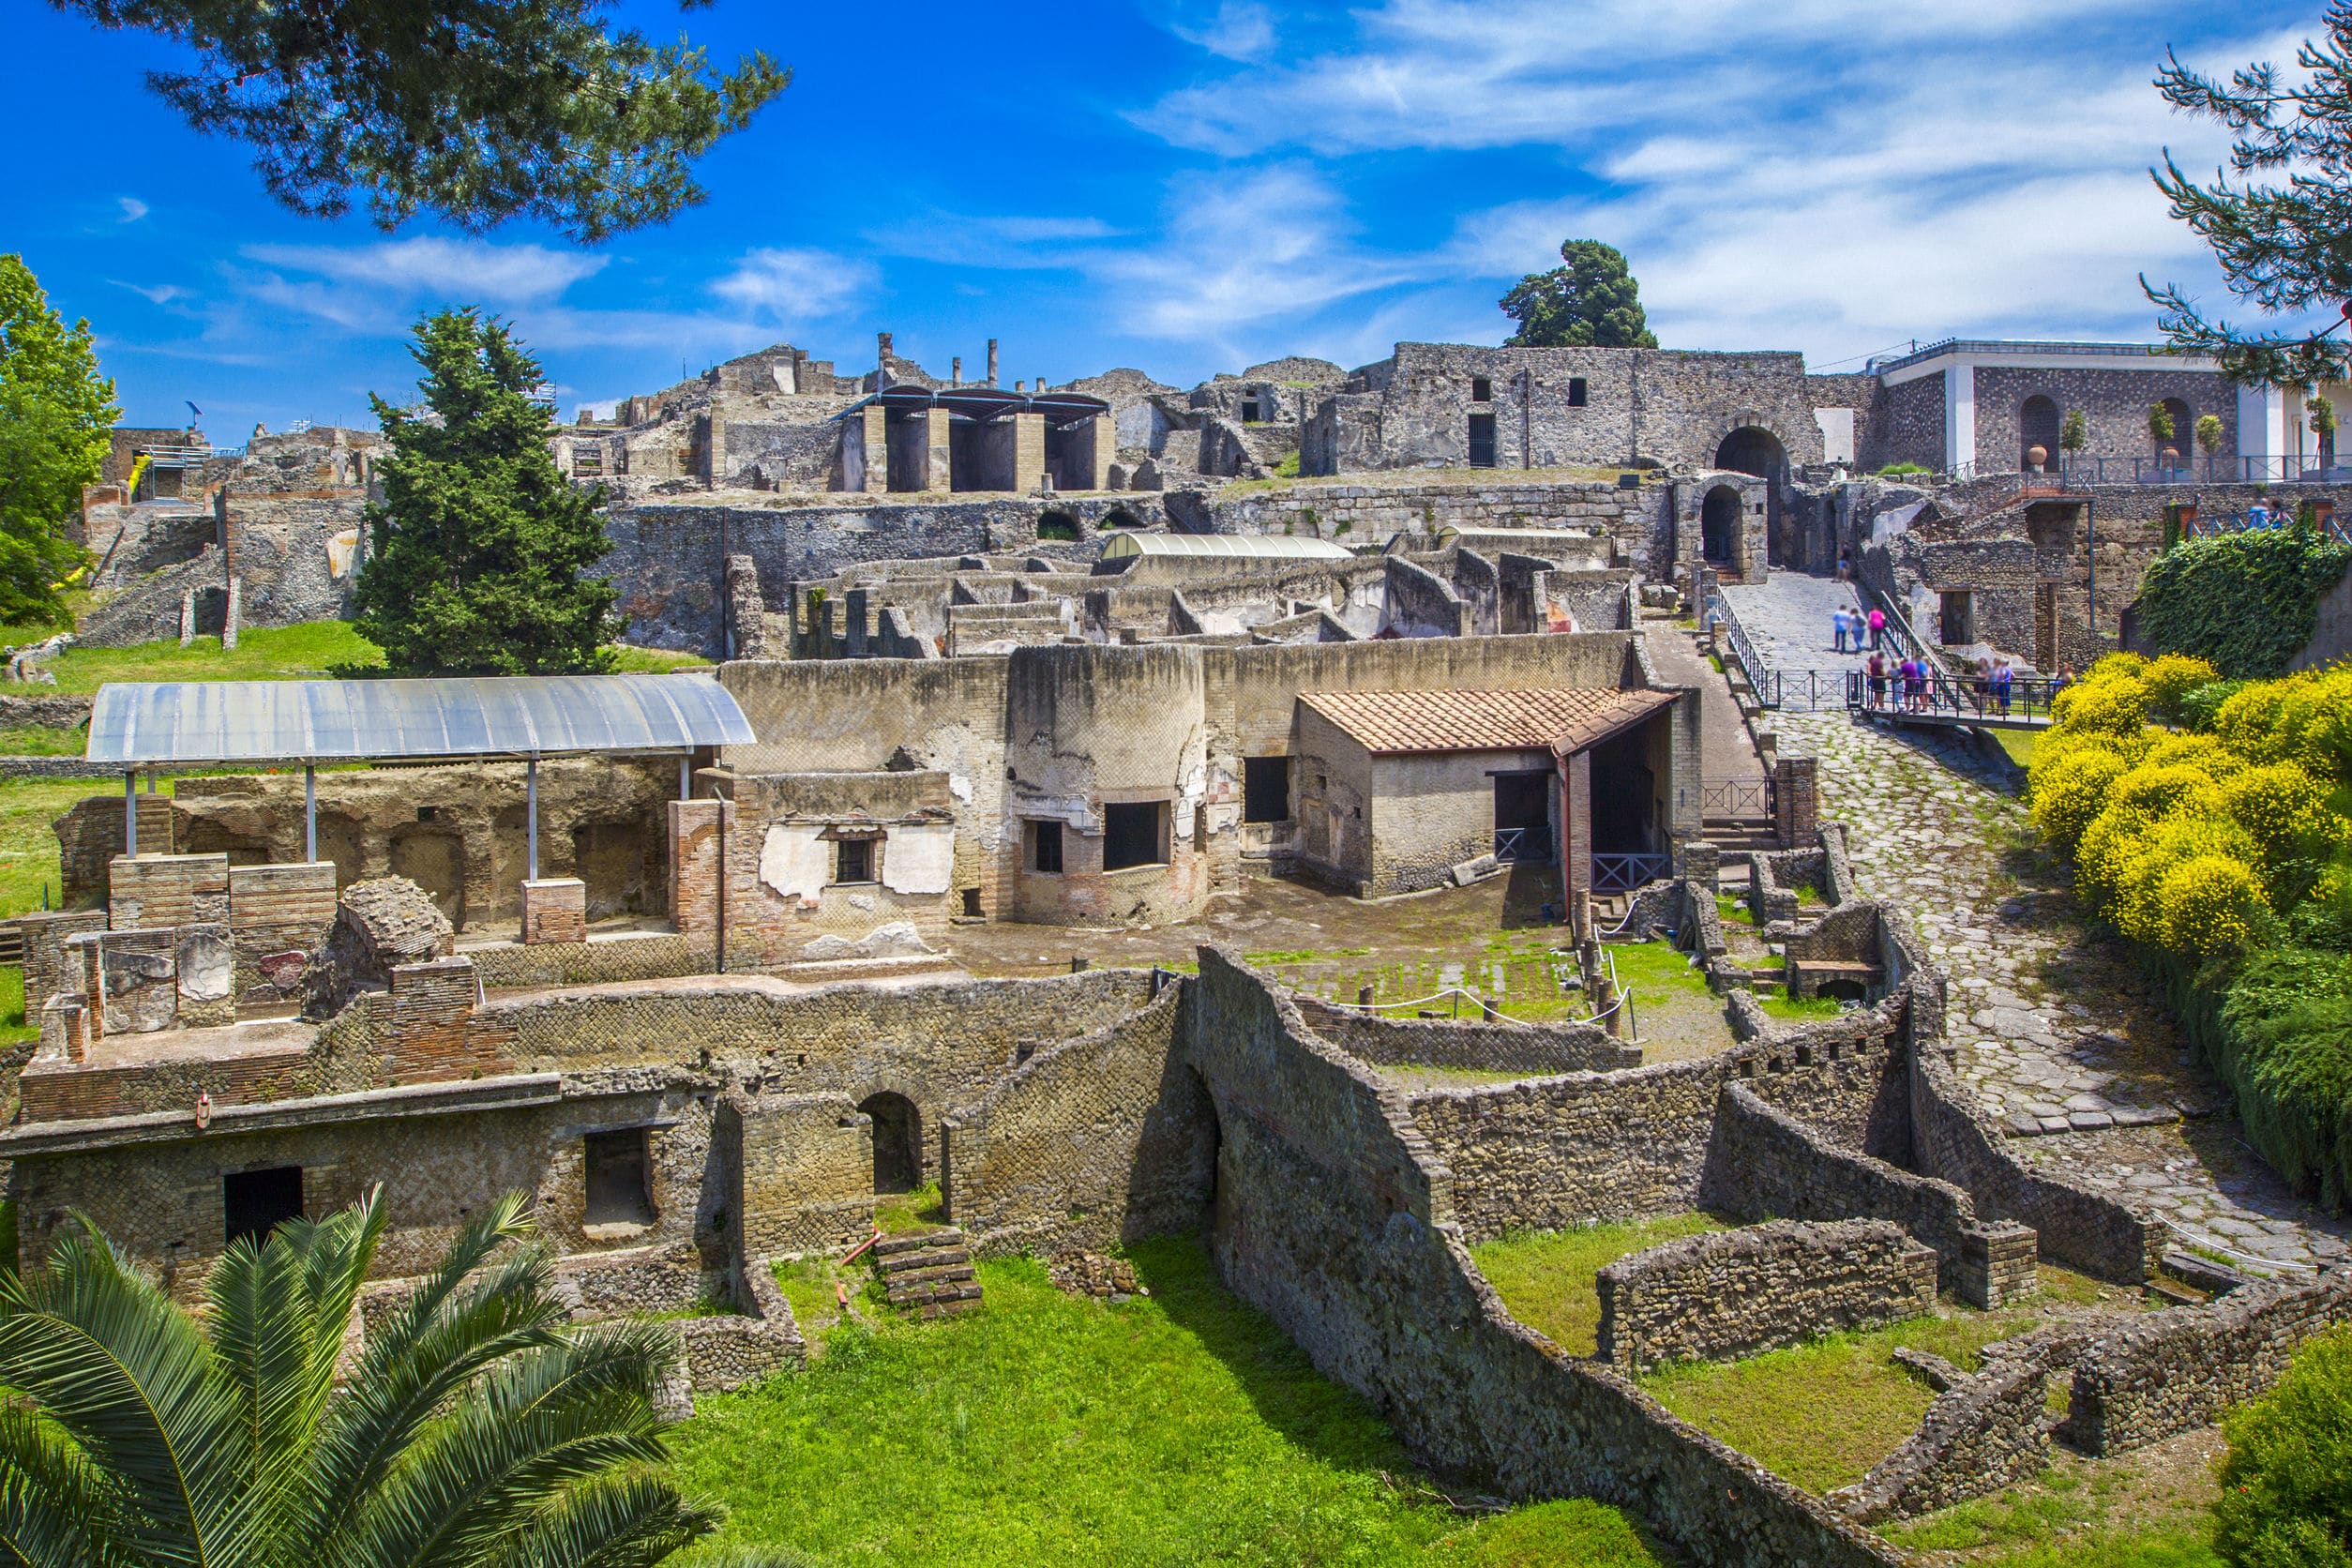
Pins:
x,y
2059,1035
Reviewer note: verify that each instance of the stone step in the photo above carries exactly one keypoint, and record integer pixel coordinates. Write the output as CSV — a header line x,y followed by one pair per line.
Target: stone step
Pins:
x,y
949,1309
922,1257
945,1235
936,1291
921,1278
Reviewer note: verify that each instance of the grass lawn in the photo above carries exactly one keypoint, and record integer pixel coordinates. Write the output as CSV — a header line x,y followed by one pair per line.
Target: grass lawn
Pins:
x,y
1546,1276
2018,744
40,740
1679,1016
28,847
1045,1430
1798,1009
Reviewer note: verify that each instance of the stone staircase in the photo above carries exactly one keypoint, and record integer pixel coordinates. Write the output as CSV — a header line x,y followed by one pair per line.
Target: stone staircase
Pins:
x,y
1738,838
928,1273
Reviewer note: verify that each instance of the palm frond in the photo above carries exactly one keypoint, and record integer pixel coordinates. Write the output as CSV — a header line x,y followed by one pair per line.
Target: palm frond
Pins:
x,y
55,1510
628,1521
128,1378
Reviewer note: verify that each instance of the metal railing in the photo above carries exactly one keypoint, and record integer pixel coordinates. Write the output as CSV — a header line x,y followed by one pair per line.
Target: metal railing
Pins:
x,y
1525,846
1750,796
1810,691
1941,695
2204,527
1762,677
2289,469
1624,873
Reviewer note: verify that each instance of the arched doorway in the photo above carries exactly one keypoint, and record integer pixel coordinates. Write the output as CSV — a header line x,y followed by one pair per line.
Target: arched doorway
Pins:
x,y
1753,449
2037,426
2183,435
897,1141
1119,517
1719,526
1058,525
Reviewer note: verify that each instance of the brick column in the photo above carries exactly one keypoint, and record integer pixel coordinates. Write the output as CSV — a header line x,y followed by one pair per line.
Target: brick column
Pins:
x,y
875,422
1997,1264
1702,866
433,1003
1104,436
1575,822
694,870
555,909
938,472
1796,800
1028,452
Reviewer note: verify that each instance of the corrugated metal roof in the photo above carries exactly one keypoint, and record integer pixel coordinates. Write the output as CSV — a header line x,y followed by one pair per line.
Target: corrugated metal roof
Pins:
x,y
201,722
1560,718
1288,547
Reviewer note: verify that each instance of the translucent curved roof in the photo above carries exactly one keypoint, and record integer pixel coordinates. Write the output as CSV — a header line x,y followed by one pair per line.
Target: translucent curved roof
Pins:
x,y
490,715
1286,547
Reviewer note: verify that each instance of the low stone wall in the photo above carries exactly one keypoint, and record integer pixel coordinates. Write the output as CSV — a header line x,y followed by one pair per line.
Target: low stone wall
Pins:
x,y
47,711
1738,1292
1979,1435
2170,1371
1562,1047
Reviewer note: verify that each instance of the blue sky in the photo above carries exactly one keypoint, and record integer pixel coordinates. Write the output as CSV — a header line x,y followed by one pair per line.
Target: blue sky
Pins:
x,y
1189,187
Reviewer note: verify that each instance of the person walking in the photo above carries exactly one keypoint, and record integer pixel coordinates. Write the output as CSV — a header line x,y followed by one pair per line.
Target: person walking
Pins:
x,y
1876,675
1837,628
1877,627
2004,678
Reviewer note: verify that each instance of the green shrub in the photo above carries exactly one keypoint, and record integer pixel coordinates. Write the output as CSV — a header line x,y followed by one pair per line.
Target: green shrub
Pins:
x,y
1896,469
2246,602
2286,1487
1287,468
2199,704
2286,1046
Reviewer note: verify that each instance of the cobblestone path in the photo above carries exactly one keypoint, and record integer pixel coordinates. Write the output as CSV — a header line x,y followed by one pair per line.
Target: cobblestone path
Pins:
x,y
2059,1033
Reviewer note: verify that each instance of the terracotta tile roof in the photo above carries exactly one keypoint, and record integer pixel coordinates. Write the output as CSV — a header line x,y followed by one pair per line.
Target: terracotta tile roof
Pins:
x,y
1561,718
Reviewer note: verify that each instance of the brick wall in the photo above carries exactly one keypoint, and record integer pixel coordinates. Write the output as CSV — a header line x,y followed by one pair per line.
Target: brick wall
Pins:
x,y
157,889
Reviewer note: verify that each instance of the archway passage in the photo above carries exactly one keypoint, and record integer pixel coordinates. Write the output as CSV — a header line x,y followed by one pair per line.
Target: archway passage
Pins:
x,y
1752,449
1058,525
2183,432
2037,426
1719,526
897,1141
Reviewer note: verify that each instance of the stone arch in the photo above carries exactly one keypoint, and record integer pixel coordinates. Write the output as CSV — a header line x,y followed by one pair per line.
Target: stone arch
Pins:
x,y
1721,519
1058,525
2038,425
898,1140
1753,449
1119,517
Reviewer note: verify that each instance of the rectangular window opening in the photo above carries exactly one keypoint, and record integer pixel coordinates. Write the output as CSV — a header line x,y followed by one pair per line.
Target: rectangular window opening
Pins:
x,y
254,1203
1045,846
971,903
1135,833
1481,390
618,1192
1482,440
1576,391
1265,788
853,860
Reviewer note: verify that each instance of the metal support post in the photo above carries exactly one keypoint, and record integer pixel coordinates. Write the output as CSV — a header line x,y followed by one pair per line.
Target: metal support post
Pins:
x,y
130,813
311,812
531,812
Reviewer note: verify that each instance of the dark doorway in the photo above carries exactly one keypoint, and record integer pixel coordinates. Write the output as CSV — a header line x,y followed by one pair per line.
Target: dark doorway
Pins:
x,y
1625,795
1751,449
1045,846
2037,426
897,1141
1523,817
1058,525
1956,617
1135,833
1265,788
2174,448
614,1166
1119,517
254,1203
1719,526
1482,440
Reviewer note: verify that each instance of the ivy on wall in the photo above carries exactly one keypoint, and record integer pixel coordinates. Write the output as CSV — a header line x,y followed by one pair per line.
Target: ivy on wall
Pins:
x,y
2244,602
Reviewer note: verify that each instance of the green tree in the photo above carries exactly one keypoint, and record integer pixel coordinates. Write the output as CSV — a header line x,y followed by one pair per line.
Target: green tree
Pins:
x,y
2286,1487
2276,217
2209,433
2075,434
479,109
477,1429
481,549
2322,414
2160,422
1592,302
56,410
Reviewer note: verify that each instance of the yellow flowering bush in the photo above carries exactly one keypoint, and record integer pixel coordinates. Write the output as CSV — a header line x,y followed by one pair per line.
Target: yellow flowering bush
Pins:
x,y
2149,858
2207,904
2174,676
2068,795
2283,810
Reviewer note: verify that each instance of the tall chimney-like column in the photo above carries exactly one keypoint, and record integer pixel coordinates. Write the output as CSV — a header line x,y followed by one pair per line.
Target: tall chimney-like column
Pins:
x,y
991,362
955,371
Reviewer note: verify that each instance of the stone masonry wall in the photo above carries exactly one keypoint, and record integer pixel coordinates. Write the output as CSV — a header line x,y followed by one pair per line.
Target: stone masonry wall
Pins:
x,y
1738,1292
1337,1218
1541,1050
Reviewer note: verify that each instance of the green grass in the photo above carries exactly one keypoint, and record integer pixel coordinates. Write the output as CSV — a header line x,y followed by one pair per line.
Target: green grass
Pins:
x,y
28,846
1546,1276
631,660
40,740
1798,1009
1176,1428
1820,1414
918,1209
2026,1526
261,654
2018,744
1656,966
1733,911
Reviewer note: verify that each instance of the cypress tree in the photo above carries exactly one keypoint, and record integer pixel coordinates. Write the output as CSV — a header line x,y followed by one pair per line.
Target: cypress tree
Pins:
x,y
480,553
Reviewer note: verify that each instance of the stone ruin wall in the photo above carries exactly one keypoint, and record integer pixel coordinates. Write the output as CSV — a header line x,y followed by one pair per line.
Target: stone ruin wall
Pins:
x,y
1740,1293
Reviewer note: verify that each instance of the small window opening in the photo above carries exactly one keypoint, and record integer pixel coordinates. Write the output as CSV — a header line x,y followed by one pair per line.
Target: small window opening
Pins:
x,y
255,1202
618,1193
1045,846
1265,788
853,860
429,813
1135,833
1481,390
1576,391
971,903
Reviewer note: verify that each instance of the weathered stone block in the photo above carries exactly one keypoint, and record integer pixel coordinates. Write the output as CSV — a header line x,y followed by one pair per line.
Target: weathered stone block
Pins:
x,y
555,909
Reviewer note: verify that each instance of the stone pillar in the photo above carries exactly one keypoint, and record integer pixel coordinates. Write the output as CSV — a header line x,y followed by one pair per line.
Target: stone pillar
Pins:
x,y
1028,452
715,453
938,466
1997,1264
231,616
1796,800
955,371
187,618
1575,827
854,630
875,421
991,362
695,829
555,909
1104,436
1702,865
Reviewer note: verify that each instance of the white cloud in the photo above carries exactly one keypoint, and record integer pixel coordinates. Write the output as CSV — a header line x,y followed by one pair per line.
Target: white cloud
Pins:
x,y
159,294
457,270
794,286
133,208
1239,30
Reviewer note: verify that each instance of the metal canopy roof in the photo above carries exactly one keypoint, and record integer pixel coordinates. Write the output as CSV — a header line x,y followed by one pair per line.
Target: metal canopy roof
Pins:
x,y
982,403
201,722
1287,546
